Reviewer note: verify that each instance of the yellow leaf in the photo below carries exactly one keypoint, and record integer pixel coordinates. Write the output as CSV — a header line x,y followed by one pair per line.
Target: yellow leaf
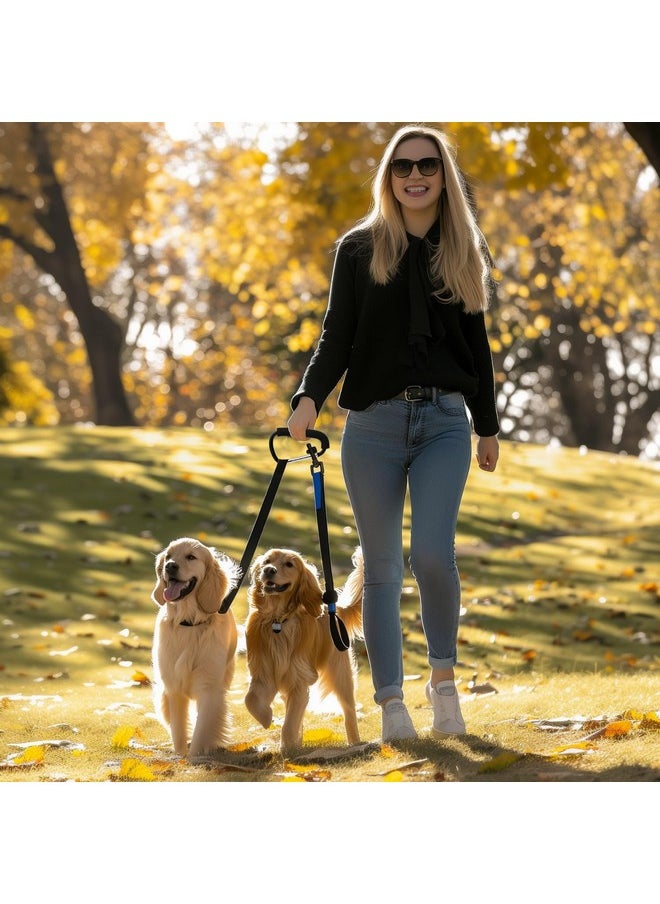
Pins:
x,y
500,762
123,735
293,778
33,755
139,677
576,749
395,776
136,771
322,736
239,748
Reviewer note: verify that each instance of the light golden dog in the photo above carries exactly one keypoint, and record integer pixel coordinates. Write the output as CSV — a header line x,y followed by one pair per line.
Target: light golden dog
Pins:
x,y
193,645
289,645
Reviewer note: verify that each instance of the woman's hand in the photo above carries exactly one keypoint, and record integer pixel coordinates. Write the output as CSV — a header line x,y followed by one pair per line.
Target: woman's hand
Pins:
x,y
488,451
302,419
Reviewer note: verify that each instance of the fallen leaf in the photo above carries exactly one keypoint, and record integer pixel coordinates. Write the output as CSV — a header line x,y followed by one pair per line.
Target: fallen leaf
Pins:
x,y
33,756
123,736
136,770
617,729
401,767
650,720
63,652
325,754
482,689
322,736
501,761
577,749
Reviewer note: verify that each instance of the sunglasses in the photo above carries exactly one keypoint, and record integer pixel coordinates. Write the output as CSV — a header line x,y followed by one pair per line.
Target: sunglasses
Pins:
x,y
427,166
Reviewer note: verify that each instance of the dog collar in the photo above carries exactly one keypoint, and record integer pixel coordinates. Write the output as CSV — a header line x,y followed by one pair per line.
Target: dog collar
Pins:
x,y
190,624
276,624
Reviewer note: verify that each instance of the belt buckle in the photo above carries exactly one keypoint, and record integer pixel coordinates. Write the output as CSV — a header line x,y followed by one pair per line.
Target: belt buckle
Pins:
x,y
416,397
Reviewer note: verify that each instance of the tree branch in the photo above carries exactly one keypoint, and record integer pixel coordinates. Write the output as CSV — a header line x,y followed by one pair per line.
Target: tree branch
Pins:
x,y
10,192
647,136
40,256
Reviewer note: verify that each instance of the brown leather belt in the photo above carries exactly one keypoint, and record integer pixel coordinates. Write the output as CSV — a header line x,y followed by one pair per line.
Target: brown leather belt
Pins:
x,y
419,393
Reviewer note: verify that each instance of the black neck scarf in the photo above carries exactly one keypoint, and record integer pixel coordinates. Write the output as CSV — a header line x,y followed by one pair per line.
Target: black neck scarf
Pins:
x,y
420,290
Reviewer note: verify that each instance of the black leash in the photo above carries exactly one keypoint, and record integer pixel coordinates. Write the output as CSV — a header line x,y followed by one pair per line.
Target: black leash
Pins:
x,y
338,630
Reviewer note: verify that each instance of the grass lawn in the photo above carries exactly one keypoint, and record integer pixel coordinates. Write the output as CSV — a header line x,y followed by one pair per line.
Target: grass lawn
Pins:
x,y
558,647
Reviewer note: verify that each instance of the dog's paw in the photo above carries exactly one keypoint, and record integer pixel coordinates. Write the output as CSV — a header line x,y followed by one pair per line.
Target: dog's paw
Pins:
x,y
257,708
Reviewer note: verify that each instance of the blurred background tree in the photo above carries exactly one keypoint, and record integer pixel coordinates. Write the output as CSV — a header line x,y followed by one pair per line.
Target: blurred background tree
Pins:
x,y
159,276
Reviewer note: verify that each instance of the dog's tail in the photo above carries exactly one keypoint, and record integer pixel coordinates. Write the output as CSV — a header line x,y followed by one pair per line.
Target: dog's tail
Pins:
x,y
349,604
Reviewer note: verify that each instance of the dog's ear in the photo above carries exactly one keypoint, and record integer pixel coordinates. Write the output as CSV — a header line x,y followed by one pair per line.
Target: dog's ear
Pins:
x,y
157,595
220,576
254,569
308,590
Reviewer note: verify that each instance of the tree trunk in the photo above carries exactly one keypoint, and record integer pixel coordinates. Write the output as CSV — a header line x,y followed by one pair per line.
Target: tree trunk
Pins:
x,y
103,337
647,136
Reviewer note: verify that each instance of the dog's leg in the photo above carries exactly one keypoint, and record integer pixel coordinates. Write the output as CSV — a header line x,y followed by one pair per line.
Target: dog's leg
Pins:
x,y
340,681
296,701
177,706
211,727
258,701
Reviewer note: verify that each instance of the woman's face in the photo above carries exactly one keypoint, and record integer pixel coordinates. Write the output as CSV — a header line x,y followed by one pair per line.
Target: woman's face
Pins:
x,y
415,192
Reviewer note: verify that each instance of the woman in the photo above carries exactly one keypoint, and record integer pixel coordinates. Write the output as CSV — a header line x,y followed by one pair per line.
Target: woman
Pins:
x,y
405,328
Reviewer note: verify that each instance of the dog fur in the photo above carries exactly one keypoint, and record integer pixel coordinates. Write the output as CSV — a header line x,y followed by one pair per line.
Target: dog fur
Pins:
x,y
289,645
193,645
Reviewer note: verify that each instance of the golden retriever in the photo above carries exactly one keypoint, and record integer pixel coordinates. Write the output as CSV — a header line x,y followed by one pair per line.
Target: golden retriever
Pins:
x,y
289,645
193,646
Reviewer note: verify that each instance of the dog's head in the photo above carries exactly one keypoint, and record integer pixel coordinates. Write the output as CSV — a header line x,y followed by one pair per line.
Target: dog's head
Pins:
x,y
285,573
188,567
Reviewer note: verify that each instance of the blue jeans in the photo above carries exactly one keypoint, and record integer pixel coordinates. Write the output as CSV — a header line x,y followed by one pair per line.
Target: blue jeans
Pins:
x,y
390,447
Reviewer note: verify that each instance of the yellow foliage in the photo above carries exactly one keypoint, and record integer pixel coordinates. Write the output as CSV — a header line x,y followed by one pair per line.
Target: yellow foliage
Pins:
x,y
24,316
136,770
501,761
30,756
123,736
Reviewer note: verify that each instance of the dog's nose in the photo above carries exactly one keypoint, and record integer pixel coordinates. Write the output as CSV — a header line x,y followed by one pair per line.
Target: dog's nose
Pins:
x,y
171,567
269,571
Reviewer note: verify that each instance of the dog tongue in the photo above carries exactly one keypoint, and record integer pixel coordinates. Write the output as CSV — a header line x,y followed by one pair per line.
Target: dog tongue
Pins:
x,y
173,590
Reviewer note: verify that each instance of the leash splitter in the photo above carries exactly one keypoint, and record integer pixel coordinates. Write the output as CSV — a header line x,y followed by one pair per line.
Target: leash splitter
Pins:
x,y
338,630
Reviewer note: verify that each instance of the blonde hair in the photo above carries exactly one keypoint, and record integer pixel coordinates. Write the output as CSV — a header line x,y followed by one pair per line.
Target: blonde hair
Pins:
x,y
461,262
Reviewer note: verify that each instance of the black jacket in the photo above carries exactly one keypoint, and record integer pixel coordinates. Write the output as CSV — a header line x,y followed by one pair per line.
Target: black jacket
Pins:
x,y
365,336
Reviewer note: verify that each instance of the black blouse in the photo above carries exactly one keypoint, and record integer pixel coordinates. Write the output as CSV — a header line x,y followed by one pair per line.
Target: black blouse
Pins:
x,y
384,338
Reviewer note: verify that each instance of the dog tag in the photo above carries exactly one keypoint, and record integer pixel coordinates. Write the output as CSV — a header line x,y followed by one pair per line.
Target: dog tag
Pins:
x,y
277,627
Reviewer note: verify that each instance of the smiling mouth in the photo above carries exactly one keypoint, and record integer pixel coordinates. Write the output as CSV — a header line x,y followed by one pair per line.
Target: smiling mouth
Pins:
x,y
416,190
176,590
272,587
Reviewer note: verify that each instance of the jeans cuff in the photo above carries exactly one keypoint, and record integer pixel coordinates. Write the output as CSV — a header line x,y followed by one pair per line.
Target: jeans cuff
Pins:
x,y
384,693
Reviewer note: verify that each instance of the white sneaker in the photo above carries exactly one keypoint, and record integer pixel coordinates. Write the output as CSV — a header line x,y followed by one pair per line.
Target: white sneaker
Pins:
x,y
397,724
447,718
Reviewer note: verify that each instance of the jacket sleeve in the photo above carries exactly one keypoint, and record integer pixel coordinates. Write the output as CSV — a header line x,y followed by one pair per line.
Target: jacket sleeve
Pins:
x,y
482,406
330,359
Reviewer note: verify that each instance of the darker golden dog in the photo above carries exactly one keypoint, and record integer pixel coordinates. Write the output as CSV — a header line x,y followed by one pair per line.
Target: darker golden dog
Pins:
x,y
289,645
193,646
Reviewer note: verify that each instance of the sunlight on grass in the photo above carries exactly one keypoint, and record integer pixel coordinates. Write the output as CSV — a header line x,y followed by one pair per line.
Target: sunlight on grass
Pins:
x,y
558,554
